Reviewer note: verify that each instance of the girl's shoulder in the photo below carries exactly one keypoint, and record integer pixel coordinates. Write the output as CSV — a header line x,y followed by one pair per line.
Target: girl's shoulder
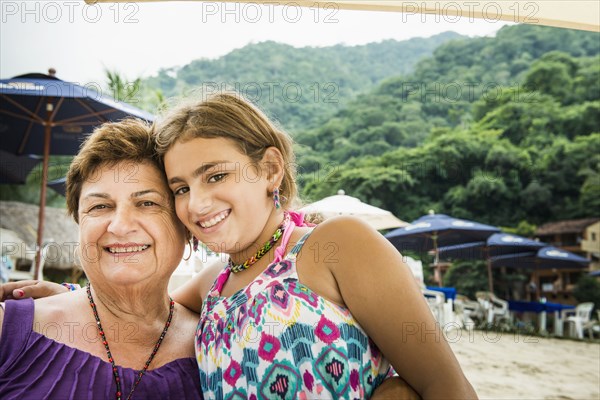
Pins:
x,y
352,239
344,229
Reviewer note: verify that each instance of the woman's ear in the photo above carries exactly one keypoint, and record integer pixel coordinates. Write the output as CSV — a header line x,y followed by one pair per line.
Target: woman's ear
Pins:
x,y
273,166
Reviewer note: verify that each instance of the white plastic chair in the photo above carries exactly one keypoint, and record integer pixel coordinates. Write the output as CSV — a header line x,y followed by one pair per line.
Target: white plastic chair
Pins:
x,y
436,301
581,319
469,312
497,309
15,275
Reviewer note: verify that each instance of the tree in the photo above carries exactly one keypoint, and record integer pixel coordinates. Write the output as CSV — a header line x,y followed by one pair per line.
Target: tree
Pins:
x,y
121,89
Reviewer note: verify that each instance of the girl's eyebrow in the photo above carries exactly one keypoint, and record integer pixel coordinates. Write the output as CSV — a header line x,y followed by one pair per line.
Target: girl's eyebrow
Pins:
x,y
200,170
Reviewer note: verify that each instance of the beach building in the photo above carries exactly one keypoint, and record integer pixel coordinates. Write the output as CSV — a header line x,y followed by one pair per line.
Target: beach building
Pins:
x,y
579,236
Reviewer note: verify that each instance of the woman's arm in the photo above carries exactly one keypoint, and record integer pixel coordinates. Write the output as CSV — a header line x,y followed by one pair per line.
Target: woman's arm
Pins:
x,y
1,317
383,296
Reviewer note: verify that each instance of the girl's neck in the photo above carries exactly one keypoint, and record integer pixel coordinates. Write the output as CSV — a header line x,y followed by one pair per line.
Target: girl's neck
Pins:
x,y
273,222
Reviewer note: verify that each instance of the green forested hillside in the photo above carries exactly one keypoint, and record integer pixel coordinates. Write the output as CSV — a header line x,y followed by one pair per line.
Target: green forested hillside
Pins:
x,y
501,130
299,86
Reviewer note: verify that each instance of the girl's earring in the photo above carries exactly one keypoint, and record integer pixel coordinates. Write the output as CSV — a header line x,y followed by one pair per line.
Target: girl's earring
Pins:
x,y
276,201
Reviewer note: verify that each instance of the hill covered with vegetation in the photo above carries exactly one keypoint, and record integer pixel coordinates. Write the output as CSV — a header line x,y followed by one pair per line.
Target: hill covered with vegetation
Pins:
x,y
299,87
503,130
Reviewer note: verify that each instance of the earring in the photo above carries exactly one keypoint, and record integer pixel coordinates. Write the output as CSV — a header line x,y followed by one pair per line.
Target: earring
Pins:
x,y
191,251
276,201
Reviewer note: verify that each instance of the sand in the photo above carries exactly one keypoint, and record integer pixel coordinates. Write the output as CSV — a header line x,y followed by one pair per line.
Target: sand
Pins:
x,y
511,366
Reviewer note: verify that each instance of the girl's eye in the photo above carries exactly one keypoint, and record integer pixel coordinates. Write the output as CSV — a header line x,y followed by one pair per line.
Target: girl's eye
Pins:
x,y
181,190
216,178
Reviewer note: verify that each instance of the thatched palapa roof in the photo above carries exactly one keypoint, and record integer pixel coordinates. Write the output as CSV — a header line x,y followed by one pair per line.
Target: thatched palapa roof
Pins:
x,y
566,226
58,228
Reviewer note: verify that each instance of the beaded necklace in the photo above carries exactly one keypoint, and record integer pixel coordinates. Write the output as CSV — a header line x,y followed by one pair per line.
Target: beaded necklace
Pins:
x,y
263,250
110,358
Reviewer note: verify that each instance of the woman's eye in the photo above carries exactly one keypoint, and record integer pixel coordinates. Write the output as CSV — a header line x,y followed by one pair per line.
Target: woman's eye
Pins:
x,y
216,178
181,190
98,207
148,203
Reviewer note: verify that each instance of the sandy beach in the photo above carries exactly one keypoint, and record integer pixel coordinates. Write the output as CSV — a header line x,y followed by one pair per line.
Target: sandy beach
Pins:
x,y
512,366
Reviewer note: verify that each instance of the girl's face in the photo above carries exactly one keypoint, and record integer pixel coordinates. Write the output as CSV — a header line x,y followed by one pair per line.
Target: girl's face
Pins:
x,y
221,196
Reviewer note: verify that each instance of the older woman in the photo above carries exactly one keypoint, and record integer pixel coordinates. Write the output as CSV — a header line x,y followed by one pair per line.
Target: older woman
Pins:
x,y
123,336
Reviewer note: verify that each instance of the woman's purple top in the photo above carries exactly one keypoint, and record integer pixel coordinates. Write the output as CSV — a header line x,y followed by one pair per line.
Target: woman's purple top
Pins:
x,y
33,366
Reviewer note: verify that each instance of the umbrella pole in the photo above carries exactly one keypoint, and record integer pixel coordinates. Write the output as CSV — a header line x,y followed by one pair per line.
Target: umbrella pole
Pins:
x,y
489,271
436,261
40,231
537,281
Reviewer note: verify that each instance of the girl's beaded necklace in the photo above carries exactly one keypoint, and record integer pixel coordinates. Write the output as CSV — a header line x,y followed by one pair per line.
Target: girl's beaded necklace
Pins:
x,y
263,250
110,358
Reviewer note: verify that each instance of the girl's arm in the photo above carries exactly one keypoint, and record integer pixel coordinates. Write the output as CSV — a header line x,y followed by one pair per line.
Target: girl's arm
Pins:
x,y
381,293
30,288
190,295
394,388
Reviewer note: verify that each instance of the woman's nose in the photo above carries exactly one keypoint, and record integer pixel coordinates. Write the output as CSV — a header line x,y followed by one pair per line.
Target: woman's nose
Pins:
x,y
123,222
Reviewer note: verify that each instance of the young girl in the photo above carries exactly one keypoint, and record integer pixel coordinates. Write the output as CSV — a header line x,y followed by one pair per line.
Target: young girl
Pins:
x,y
299,311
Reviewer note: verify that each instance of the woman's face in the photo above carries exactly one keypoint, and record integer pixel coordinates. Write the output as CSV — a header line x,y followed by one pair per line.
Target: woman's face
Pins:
x,y
128,231
221,196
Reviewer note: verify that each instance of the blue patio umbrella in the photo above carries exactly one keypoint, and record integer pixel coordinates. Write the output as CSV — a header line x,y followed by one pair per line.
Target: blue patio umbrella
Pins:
x,y
15,169
496,245
59,186
432,231
548,257
40,114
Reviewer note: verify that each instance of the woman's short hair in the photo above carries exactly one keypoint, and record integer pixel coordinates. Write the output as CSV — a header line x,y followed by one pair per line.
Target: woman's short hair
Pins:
x,y
110,144
228,115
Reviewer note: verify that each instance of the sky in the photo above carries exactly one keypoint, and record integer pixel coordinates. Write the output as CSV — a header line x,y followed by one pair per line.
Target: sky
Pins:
x,y
137,39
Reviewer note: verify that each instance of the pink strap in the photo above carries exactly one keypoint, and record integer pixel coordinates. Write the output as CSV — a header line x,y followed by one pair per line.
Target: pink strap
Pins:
x,y
296,219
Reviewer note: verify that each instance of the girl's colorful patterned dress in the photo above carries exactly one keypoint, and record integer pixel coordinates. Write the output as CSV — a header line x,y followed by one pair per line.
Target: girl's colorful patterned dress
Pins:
x,y
276,339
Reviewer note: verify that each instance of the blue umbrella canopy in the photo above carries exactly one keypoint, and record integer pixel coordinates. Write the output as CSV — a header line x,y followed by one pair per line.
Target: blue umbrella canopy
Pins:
x,y
545,258
31,102
40,114
59,186
15,169
496,245
436,230
431,231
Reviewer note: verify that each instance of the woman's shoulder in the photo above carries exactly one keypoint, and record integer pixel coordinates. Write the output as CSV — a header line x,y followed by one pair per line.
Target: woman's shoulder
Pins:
x,y
60,307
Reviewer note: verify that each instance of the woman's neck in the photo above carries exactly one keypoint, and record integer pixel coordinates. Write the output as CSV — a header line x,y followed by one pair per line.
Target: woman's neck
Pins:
x,y
129,303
